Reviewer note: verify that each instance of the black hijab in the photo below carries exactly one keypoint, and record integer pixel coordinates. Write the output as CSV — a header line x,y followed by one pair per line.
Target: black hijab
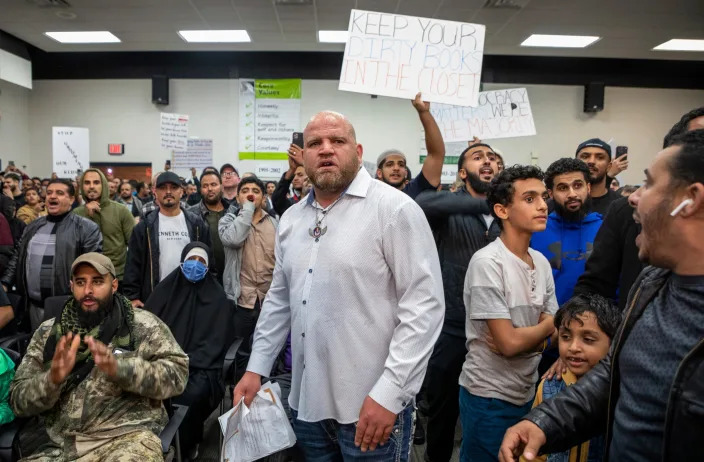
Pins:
x,y
198,314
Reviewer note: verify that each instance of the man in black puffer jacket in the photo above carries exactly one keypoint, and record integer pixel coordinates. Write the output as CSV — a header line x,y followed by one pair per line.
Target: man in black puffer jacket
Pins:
x,y
648,393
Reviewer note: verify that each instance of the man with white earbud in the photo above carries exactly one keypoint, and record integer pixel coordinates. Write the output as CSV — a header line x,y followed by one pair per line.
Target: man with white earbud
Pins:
x,y
645,394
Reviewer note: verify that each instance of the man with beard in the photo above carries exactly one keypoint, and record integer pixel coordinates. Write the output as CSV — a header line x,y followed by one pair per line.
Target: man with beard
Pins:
x,y
647,392
129,200
11,181
211,208
391,164
357,283
41,265
155,247
596,154
462,224
95,374
115,222
113,186
568,239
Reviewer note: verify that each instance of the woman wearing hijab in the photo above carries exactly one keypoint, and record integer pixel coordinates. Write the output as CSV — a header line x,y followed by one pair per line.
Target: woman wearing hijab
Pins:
x,y
196,309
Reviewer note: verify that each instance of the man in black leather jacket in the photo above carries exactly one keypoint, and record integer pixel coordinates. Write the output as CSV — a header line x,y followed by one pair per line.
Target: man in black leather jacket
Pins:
x,y
50,268
648,393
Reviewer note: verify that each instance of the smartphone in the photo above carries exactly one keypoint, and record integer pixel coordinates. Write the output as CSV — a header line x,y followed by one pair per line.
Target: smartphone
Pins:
x,y
297,139
11,163
168,163
621,150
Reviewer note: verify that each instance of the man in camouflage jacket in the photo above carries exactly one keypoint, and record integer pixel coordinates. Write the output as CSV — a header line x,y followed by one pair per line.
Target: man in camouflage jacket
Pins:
x,y
97,374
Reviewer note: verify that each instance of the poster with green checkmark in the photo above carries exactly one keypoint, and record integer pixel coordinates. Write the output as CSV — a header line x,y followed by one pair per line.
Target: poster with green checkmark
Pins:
x,y
270,111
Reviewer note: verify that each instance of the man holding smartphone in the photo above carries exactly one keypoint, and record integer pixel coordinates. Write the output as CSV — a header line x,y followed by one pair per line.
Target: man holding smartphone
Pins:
x,y
289,190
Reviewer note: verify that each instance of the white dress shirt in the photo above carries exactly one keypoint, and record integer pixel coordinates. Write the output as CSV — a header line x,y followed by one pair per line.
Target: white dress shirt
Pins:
x,y
364,302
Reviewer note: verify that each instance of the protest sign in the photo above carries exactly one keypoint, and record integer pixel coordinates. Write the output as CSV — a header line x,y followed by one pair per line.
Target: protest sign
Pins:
x,y
395,55
70,151
500,114
174,131
198,154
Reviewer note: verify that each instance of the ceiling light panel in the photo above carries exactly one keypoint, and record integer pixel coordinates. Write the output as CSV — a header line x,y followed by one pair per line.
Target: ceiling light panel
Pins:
x,y
559,41
102,36
681,45
214,36
332,36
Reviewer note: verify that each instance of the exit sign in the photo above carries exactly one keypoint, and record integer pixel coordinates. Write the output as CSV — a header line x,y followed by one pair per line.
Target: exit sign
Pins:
x,y
116,149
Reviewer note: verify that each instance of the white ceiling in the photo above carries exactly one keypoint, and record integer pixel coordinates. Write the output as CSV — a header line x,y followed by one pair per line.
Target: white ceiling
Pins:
x,y
629,28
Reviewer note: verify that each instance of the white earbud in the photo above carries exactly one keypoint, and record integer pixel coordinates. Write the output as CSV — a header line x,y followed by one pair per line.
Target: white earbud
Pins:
x,y
682,205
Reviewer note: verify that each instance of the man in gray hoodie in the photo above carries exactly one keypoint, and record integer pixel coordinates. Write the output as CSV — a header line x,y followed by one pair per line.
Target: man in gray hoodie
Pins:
x,y
248,235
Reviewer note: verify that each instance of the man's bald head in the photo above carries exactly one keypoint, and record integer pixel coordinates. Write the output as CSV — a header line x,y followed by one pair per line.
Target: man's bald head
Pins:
x,y
330,116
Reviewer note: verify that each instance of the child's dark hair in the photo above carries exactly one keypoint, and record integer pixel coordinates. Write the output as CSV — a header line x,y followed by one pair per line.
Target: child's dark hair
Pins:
x,y
501,188
607,315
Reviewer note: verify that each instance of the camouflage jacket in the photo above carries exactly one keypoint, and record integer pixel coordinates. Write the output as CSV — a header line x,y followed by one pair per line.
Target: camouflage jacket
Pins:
x,y
99,408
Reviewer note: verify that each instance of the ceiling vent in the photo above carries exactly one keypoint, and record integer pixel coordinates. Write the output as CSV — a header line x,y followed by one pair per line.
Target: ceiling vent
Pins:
x,y
50,3
502,5
293,2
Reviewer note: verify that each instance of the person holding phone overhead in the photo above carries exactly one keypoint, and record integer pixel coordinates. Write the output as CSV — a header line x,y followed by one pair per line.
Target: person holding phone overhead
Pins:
x,y
289,190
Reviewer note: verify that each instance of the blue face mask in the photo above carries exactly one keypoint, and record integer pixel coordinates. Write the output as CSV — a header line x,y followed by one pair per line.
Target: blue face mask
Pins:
x,y
194,270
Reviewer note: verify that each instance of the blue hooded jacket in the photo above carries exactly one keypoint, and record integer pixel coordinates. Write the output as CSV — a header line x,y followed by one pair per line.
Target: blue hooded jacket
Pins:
x,y
567,245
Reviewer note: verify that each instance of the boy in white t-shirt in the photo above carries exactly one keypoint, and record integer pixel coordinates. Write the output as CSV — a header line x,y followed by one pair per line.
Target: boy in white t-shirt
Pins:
x,y
509,296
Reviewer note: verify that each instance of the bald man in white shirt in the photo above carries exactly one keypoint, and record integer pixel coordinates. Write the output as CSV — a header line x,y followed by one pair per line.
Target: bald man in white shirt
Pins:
x,y
357,283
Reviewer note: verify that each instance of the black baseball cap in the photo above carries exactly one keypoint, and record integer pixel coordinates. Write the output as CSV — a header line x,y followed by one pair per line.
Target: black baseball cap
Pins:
x,y
596,143
168,177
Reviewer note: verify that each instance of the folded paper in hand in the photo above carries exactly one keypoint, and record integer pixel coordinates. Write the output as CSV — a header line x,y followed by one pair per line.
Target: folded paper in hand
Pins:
x,y
258,431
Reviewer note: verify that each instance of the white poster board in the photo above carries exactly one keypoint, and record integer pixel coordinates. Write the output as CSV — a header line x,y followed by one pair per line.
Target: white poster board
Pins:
x,y
173,130
198,154
399,56
500,114
70,151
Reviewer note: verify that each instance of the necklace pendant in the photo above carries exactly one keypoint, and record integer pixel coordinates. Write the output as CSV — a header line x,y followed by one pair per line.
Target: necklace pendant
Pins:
x,y
318,231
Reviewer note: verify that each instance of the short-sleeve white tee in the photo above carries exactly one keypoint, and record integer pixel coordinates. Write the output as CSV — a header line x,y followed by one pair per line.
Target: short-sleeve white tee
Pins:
x,y
499,285
173,237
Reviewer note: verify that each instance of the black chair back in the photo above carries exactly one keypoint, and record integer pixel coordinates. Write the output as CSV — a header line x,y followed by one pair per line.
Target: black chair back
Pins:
x,y
54,305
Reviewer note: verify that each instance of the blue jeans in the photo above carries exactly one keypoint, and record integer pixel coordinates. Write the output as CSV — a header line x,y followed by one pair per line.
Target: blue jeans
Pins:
x,y
328,440
484,422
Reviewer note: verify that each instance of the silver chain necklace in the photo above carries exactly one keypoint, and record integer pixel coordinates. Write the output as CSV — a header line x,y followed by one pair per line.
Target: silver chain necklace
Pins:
x,y
320,230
